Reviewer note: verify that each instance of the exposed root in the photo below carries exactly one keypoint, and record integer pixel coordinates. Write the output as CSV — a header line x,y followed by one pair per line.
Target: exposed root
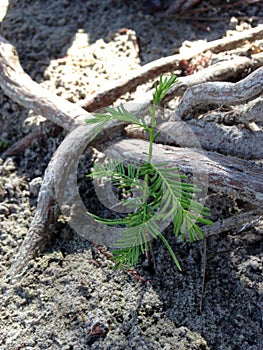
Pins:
x,y
229,175
170,64
220,94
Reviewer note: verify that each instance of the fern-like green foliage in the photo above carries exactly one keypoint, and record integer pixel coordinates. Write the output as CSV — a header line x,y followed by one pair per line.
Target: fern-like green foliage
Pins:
x,y
154,193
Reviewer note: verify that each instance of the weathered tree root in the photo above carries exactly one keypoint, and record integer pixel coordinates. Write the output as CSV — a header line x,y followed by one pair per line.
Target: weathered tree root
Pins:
x,y
47,211
220,93
221,71
240,178
230,175
18,85
244,143
250,112
170,64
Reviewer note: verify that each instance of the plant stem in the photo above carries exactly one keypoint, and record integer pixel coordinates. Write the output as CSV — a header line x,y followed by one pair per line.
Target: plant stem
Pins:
x,y
150,151
146,178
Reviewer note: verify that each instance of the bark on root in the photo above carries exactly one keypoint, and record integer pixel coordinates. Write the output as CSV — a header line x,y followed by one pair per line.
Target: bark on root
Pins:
x,y
220,94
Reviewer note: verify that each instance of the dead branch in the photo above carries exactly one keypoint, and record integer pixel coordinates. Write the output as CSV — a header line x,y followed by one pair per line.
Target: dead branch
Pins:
x,y
220,93
20,87
217,72
166,64
239,223
228,175
250,112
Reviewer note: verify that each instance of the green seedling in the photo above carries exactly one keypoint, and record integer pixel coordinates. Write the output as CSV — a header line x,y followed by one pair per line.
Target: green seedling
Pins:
x,y
161,192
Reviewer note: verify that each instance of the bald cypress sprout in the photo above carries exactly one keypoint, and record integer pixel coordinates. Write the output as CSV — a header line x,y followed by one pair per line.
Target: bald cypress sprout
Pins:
x,y
160,193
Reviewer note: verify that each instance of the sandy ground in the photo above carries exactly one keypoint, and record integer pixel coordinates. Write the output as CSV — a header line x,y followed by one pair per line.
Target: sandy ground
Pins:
x,y
74,48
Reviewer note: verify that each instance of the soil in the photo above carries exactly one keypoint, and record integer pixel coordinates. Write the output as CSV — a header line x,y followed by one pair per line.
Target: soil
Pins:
x,y
70,297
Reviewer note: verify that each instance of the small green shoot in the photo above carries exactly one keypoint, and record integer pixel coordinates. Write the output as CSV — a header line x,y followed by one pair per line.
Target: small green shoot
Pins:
x,y
160,193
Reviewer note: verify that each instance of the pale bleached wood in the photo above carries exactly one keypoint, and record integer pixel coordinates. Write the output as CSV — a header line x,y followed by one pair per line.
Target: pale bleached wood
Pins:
x,y
227,175
237,223
250,112
57,175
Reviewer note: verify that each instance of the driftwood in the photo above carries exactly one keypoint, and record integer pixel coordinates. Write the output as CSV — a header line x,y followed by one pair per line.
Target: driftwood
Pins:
x,y
229,175
221,71
48,209
217,72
